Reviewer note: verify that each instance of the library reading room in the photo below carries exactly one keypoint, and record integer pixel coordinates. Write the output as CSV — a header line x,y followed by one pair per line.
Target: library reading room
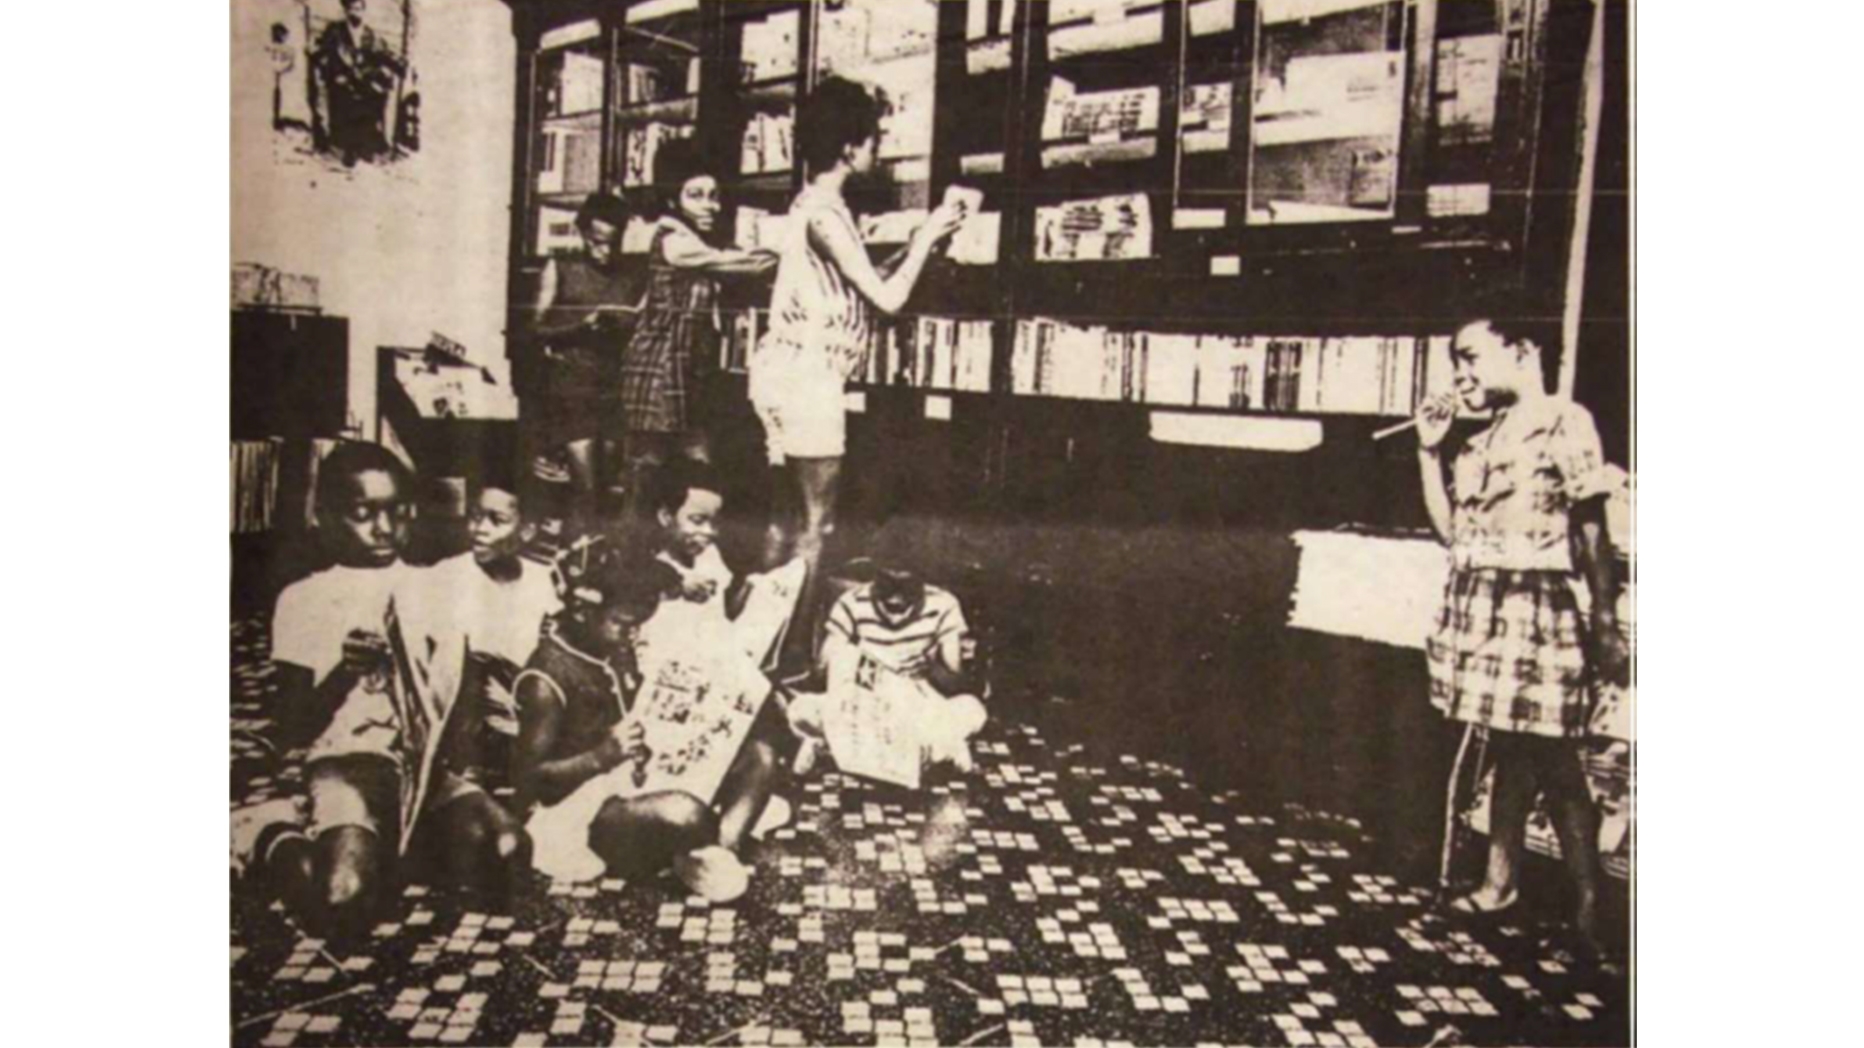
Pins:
x,y
895,522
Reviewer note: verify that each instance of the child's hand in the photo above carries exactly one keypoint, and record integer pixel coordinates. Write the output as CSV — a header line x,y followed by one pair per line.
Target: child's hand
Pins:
x,y
942,223
698,590
611,753
633,737
1433,420
764,258
364,652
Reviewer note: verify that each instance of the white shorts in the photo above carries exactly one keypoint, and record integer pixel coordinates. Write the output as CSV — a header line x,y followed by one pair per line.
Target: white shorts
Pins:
x,y
802,410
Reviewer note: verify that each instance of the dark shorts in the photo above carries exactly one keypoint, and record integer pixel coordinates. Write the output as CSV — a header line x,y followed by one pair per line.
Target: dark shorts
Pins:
x,y
571,395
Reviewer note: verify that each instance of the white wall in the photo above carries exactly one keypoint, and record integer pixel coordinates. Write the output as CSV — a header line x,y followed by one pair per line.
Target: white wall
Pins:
x,y
401,250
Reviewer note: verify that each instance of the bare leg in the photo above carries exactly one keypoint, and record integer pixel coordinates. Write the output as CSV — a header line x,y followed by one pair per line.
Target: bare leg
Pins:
x,y
639,836
745,791
350,864
647,453
780,532
476,843
819,482
581,457
1576,822
1509,806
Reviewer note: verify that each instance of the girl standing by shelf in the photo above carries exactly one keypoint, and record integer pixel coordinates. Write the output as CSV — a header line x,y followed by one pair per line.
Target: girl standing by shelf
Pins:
x,y
1511,653
675,346
586,305
821,313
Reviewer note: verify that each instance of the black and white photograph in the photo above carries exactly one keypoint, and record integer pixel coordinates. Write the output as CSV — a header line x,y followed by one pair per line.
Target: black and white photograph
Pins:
x,y
932,522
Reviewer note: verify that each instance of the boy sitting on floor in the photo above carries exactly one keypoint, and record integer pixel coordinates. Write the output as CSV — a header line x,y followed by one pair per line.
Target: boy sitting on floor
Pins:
x,y
573,702
499,601
336,674
897,624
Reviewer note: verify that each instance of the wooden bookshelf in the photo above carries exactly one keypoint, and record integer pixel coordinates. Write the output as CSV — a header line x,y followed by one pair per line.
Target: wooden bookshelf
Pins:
x,y
1482,98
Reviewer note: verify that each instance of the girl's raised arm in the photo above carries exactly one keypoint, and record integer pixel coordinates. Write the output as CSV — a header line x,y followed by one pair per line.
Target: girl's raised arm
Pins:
x,y
835,238
685,250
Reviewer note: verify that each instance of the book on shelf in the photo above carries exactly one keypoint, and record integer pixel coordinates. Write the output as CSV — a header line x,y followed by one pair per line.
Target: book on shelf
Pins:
x,y
648,84
1468,75
556,231
771,47
1111,228
255,471
1212,16
1111,25
1068,113
579,84
987,18
1204,117
768,145
978,241
572,160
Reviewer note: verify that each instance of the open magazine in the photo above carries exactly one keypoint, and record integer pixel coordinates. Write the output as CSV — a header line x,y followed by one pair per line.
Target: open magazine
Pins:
x,y
872,723
422,687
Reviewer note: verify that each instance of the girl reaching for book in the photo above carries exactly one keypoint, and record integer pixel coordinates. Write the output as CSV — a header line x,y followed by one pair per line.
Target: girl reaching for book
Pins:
x,y
821,318
675,346
1512,653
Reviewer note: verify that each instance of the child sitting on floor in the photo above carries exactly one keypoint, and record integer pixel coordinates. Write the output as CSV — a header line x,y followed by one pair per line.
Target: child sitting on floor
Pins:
x,y
573,699
331,646
499,601
900,625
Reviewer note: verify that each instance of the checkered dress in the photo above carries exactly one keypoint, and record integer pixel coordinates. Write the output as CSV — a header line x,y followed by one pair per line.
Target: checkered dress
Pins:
x,y
1508,649
675,345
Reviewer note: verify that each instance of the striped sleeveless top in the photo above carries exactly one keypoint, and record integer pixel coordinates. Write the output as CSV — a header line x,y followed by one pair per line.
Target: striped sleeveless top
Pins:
x,y
817,317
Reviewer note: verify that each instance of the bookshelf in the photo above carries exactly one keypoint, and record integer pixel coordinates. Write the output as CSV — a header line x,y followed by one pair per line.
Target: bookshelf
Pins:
x,y
1188,181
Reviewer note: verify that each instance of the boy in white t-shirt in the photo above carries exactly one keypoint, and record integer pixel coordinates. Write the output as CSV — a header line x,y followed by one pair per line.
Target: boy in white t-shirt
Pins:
x,y
498,599
333,661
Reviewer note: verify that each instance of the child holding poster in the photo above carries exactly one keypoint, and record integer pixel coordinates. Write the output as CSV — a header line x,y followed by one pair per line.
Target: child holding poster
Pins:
x,y
898,692
630,760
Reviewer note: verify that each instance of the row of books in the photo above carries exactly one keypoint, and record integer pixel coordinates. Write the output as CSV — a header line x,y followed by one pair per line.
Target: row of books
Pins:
x,y
255,484
923,352
1358,375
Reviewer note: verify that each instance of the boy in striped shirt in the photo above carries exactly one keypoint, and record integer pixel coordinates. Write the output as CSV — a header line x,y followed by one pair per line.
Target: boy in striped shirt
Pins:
x,y
899,624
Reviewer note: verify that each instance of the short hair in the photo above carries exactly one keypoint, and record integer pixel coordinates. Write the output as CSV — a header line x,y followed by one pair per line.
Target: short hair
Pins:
x,y
1518,321
839,113
602,207
677,162
678,479
493,474
352,458
632,582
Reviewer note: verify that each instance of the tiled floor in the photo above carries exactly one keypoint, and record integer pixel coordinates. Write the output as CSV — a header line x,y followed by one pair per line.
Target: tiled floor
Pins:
x,y
1043,899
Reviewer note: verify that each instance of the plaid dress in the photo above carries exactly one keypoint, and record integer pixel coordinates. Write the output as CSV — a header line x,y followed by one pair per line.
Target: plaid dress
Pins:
x,y
1508,649
674,348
